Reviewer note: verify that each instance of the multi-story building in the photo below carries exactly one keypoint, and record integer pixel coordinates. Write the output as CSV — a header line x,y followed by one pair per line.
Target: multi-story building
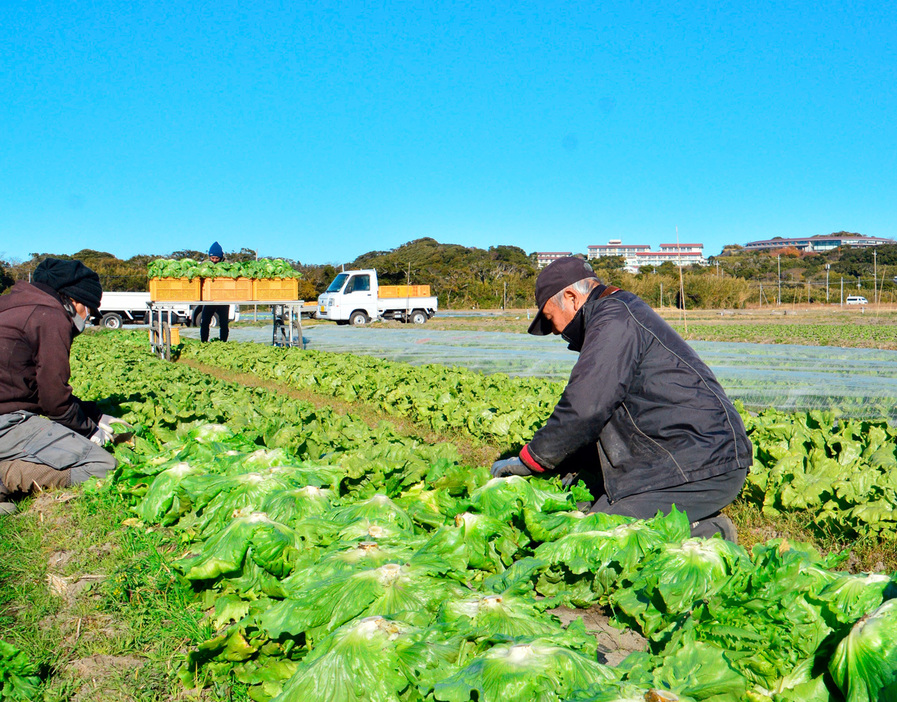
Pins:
x,y
818,243
543,258
638,255
615,247
679,254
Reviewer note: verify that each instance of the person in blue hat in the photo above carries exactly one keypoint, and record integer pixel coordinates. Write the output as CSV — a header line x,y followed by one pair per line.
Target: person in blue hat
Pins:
x,y
216,255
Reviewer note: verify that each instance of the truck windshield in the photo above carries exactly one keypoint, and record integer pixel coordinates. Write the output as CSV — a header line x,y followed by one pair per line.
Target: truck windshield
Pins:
x,y
338,283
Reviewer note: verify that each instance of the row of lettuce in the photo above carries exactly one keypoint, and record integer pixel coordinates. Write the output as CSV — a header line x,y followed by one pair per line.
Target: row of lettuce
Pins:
x,y
842,470
189,268
344,562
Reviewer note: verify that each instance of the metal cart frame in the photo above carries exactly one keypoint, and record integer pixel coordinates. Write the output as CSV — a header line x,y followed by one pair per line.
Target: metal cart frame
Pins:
x,y
286,326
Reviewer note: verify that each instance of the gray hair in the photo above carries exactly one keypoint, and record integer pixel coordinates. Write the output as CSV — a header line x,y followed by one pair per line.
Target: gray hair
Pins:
x,y
583,287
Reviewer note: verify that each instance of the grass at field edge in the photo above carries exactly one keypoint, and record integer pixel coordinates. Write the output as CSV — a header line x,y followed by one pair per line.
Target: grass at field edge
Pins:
x,y
95,603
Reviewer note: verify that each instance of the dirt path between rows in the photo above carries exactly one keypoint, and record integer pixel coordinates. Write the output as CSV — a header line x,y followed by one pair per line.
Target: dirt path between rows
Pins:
x,y
472,452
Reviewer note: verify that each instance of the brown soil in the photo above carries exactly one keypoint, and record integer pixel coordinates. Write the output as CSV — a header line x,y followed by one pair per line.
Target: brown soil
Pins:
x,y
614,644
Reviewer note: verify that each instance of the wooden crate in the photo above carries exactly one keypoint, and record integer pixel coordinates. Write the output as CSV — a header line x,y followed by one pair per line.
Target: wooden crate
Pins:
x,y
226,289
390,291
174,289
275,289
175,330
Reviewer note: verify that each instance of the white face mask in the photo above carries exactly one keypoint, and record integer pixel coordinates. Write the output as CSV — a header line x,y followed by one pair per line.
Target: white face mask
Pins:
x,y
79,321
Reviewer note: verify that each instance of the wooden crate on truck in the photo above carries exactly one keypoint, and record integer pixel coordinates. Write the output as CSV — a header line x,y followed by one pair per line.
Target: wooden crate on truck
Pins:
x,y
392,291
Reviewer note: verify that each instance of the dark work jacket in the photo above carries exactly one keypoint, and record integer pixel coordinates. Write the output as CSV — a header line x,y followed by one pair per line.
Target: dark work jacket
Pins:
x,y
35,340
655,410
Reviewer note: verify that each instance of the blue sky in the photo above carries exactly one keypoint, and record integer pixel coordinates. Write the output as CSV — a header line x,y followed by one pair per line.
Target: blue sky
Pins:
x,y
322,131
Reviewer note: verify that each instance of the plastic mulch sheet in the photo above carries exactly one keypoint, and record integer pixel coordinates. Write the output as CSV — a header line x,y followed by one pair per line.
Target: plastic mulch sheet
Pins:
x,y
852,382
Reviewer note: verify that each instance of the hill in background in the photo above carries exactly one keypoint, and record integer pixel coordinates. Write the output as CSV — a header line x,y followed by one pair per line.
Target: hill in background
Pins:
x,y
461,276
466,276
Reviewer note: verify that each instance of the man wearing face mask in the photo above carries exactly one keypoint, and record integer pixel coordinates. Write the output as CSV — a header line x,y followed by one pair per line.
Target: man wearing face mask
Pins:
x,y
48,437
643,421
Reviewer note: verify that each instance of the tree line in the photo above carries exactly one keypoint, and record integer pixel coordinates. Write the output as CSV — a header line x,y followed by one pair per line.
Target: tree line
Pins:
x,y
460,276
504,276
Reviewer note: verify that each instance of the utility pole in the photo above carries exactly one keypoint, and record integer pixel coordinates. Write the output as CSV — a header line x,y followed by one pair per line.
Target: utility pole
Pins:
x,y
875,276
504,296
409,272
717,269
779,261
842,291
827,266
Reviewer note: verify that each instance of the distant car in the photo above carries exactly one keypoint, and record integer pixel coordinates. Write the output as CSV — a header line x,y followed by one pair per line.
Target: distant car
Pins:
x,y
857,300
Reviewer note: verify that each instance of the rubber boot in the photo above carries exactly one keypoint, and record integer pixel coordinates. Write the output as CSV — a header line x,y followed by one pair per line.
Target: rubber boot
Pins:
x,y
713,525
6,506
24,476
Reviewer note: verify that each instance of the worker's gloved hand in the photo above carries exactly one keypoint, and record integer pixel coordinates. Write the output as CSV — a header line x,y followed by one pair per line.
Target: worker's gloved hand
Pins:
x,y
100,436
107,420
509,466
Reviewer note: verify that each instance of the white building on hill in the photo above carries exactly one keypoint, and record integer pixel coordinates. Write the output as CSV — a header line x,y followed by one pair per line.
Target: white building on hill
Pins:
x,y
616,247
638,255
818,243
543,258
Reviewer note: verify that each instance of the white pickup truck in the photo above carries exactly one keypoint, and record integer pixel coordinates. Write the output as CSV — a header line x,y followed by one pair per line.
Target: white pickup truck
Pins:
x,y
354,297
117,308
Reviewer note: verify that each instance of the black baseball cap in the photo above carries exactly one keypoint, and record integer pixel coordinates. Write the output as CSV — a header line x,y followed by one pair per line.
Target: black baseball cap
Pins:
x,y
556,276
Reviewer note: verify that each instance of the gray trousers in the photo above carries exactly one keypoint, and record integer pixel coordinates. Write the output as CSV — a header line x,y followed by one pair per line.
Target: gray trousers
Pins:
x,y
35,439
700,499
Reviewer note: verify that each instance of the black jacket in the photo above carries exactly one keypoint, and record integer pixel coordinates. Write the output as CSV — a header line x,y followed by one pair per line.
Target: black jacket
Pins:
x,y
655,410
35,339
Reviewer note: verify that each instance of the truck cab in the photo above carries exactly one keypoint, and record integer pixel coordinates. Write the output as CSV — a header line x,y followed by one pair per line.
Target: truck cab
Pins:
x,y
350,295
354,297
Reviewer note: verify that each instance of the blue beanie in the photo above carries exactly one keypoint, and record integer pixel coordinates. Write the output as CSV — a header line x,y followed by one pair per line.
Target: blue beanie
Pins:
x,y
216,250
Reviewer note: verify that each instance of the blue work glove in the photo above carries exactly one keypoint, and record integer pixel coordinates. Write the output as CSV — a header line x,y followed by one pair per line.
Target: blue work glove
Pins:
x,y
509,466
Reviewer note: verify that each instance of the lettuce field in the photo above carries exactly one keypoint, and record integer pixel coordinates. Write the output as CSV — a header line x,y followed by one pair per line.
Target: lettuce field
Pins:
x,y
340,561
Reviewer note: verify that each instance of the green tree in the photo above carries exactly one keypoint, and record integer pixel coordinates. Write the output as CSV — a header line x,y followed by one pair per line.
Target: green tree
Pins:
x,y
6,280
608,263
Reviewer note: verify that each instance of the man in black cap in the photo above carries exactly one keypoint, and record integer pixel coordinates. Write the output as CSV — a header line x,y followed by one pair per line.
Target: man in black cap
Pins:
x,y
643,421
48,437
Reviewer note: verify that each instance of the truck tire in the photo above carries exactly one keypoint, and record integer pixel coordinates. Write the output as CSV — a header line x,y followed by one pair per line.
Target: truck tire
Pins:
x,y
358,318
197,318
111,320
418,317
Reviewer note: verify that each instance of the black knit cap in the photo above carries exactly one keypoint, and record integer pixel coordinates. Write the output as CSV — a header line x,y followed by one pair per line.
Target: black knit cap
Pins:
x,y
71,278
556,276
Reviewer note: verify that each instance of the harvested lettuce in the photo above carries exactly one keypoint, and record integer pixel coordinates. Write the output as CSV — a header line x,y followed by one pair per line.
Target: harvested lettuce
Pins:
x,y
537,669
865,663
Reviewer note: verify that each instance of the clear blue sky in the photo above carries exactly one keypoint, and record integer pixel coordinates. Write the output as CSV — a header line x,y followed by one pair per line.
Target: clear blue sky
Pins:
x,y
320,131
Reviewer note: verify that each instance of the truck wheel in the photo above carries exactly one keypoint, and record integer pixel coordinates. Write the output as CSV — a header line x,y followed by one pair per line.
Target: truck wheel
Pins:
x,y
418,317
197,319
111,320
358,319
